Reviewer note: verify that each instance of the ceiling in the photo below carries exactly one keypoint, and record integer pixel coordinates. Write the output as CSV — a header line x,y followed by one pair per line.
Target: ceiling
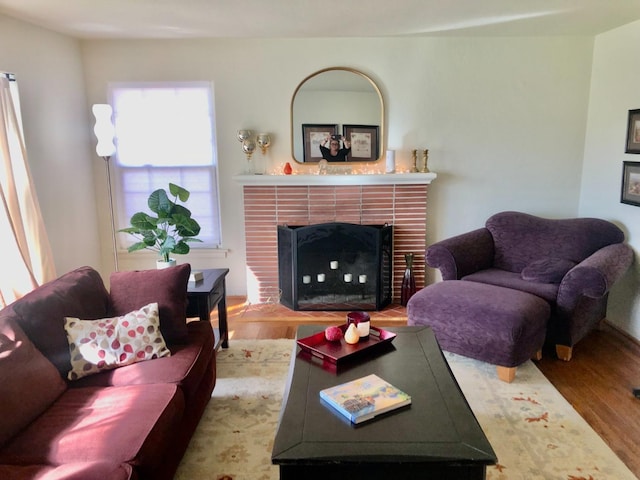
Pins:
x,y
321,18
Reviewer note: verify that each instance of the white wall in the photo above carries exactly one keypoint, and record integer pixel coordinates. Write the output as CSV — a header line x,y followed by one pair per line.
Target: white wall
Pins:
x,y
504,118
615,89
55,116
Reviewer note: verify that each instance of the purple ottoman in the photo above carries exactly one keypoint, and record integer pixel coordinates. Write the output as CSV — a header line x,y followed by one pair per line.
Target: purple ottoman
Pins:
x,y
497,325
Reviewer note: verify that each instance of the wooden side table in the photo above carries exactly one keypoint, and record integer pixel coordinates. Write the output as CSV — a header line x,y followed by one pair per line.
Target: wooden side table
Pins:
x,y
203,297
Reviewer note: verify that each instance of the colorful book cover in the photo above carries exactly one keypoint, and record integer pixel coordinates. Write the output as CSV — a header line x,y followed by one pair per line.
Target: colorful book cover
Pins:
x,y
364,398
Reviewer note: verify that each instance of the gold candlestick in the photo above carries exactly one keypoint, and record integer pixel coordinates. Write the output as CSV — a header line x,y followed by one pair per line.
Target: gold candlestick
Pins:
x,y
414,156
425,157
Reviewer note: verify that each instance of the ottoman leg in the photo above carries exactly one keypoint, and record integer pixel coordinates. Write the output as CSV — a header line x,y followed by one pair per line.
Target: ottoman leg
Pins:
x,y
506,374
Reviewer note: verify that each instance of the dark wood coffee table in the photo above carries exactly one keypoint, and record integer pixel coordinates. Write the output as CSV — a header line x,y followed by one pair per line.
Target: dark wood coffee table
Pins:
x,y
437,437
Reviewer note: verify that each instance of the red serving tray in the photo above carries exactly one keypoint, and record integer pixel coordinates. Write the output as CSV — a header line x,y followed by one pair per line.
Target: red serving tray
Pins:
x,y
335,352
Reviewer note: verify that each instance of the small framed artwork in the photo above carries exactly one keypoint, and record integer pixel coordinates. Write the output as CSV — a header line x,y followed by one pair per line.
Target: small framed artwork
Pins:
x,y
630,183
365,145
633,132
313,135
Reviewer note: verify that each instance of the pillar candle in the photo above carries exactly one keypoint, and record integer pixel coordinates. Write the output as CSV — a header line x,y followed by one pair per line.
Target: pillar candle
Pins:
x,y
391,161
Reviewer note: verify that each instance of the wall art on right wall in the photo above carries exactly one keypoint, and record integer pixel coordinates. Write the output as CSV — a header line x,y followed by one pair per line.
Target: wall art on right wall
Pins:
x,y
630,192
633,132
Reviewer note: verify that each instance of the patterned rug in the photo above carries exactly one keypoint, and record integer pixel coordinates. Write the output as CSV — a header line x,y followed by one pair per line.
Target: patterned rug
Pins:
x,y
534,431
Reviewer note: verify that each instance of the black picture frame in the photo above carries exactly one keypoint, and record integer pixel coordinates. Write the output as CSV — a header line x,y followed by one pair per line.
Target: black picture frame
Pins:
x,y
312,135
630,190
633,132
365,142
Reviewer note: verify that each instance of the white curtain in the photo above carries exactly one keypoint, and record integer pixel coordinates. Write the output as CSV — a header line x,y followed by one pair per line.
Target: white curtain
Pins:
x,y
27,260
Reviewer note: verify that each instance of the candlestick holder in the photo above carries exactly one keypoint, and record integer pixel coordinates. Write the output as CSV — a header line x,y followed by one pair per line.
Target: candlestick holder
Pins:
x,y
414,158
425,157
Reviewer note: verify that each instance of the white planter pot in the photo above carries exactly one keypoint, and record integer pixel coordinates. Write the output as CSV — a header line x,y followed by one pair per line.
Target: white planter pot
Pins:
x,y
160,264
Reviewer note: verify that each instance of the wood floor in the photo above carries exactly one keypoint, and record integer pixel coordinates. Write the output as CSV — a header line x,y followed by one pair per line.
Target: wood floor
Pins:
x,y
598,381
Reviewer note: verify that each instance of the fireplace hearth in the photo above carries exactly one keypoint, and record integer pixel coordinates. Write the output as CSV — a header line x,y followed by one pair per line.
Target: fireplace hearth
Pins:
x,y
335,266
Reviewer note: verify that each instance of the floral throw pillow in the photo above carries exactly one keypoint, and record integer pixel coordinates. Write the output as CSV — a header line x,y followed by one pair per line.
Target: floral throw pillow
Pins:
x,y
104,344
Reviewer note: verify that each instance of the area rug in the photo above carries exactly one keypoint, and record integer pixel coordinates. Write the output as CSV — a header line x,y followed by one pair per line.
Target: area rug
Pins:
x,y
534,431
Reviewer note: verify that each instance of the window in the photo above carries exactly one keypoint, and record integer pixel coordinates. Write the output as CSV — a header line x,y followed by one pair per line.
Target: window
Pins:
x,y
165,134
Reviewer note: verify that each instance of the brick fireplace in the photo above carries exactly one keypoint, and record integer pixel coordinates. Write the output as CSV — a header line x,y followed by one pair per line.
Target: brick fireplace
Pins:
x,y
271,200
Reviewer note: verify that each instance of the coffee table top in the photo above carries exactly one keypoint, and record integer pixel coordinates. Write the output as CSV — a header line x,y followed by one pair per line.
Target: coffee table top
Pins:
x,y
439,426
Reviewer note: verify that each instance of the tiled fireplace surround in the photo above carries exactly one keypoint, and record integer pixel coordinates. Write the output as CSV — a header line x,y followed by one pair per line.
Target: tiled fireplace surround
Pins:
x,y
269,203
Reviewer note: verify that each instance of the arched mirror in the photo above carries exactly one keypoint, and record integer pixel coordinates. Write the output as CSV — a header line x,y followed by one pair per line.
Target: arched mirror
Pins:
x,y
339,110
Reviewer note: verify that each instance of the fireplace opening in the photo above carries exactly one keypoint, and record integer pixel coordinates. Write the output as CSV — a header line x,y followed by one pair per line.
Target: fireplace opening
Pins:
x,y
335,266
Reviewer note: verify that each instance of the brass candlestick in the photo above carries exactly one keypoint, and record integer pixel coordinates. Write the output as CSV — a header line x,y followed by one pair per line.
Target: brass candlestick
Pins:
x,y
414,157
425,157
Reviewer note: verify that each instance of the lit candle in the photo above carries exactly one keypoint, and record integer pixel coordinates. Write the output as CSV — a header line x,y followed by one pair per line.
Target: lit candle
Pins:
x,y
321,277
348,277
362,278
306,279
334,265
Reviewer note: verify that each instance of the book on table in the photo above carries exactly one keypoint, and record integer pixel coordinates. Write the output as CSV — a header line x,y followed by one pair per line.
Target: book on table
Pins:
x,y
364,398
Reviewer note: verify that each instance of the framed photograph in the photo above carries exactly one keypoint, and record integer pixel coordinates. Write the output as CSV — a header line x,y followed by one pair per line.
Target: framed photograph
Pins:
x,y
365,145
312,136
630,183
633,132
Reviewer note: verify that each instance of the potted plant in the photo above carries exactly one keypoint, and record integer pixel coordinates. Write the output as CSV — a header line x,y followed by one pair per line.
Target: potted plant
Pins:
x,y
170,230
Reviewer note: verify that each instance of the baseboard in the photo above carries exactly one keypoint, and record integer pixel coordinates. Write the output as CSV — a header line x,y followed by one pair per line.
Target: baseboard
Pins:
x,y
622,332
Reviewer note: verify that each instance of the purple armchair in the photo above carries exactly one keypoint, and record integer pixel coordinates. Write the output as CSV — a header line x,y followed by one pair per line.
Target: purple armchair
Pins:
x,y
570,263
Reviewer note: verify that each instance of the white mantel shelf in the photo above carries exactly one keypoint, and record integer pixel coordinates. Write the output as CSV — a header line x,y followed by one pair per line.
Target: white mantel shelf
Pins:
x,y
350,179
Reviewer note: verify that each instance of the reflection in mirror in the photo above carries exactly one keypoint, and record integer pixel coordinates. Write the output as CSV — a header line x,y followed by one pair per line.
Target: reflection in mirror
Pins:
x,y
337,101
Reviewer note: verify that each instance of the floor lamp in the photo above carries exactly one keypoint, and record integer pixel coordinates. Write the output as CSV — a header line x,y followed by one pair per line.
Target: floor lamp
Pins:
x,y
105,148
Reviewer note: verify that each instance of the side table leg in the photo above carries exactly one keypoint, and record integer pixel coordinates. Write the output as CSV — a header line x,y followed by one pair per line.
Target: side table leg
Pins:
x,y
222,317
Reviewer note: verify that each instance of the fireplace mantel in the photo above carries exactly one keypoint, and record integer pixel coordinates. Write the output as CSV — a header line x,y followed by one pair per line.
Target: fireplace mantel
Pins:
x,y
347,179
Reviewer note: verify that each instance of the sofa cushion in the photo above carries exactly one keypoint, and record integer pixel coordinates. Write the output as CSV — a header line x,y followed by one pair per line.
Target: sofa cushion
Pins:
x,y
186,367
133,424
97,345
102,470
520,238
29,383
502,278
80,293
547,270
168,286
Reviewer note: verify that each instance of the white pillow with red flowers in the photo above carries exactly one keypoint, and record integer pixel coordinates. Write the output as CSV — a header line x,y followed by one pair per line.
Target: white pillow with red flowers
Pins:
x,y
108,343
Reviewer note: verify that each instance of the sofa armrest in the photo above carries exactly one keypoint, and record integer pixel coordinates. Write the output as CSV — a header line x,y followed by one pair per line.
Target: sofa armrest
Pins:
x,y
461,255
595,275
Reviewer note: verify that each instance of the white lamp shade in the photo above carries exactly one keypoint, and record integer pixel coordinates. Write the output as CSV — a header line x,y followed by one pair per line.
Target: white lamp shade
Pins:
x,y
104,129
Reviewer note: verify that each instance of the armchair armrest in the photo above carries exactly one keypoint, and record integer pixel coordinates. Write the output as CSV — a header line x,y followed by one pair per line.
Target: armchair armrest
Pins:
x,y
461,255
595,275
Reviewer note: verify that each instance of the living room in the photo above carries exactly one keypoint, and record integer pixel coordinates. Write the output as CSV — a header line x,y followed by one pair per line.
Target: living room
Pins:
x,y
535,123
527,120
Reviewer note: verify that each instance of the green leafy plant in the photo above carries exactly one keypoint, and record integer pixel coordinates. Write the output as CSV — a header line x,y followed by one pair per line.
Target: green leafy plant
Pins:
x,y
171,230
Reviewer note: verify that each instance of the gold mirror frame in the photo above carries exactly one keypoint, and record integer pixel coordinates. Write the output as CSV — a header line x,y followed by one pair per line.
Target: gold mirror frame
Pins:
x,y
297,125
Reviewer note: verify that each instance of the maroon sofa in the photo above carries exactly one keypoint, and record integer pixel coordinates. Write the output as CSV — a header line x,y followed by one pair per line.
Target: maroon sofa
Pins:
x,y
131,422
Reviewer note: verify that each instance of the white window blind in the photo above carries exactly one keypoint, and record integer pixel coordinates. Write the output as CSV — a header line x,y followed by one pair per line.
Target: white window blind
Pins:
x,y
165,134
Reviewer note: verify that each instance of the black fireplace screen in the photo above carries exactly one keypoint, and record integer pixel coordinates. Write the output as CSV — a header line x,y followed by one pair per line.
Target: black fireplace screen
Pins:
x,y
335,266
